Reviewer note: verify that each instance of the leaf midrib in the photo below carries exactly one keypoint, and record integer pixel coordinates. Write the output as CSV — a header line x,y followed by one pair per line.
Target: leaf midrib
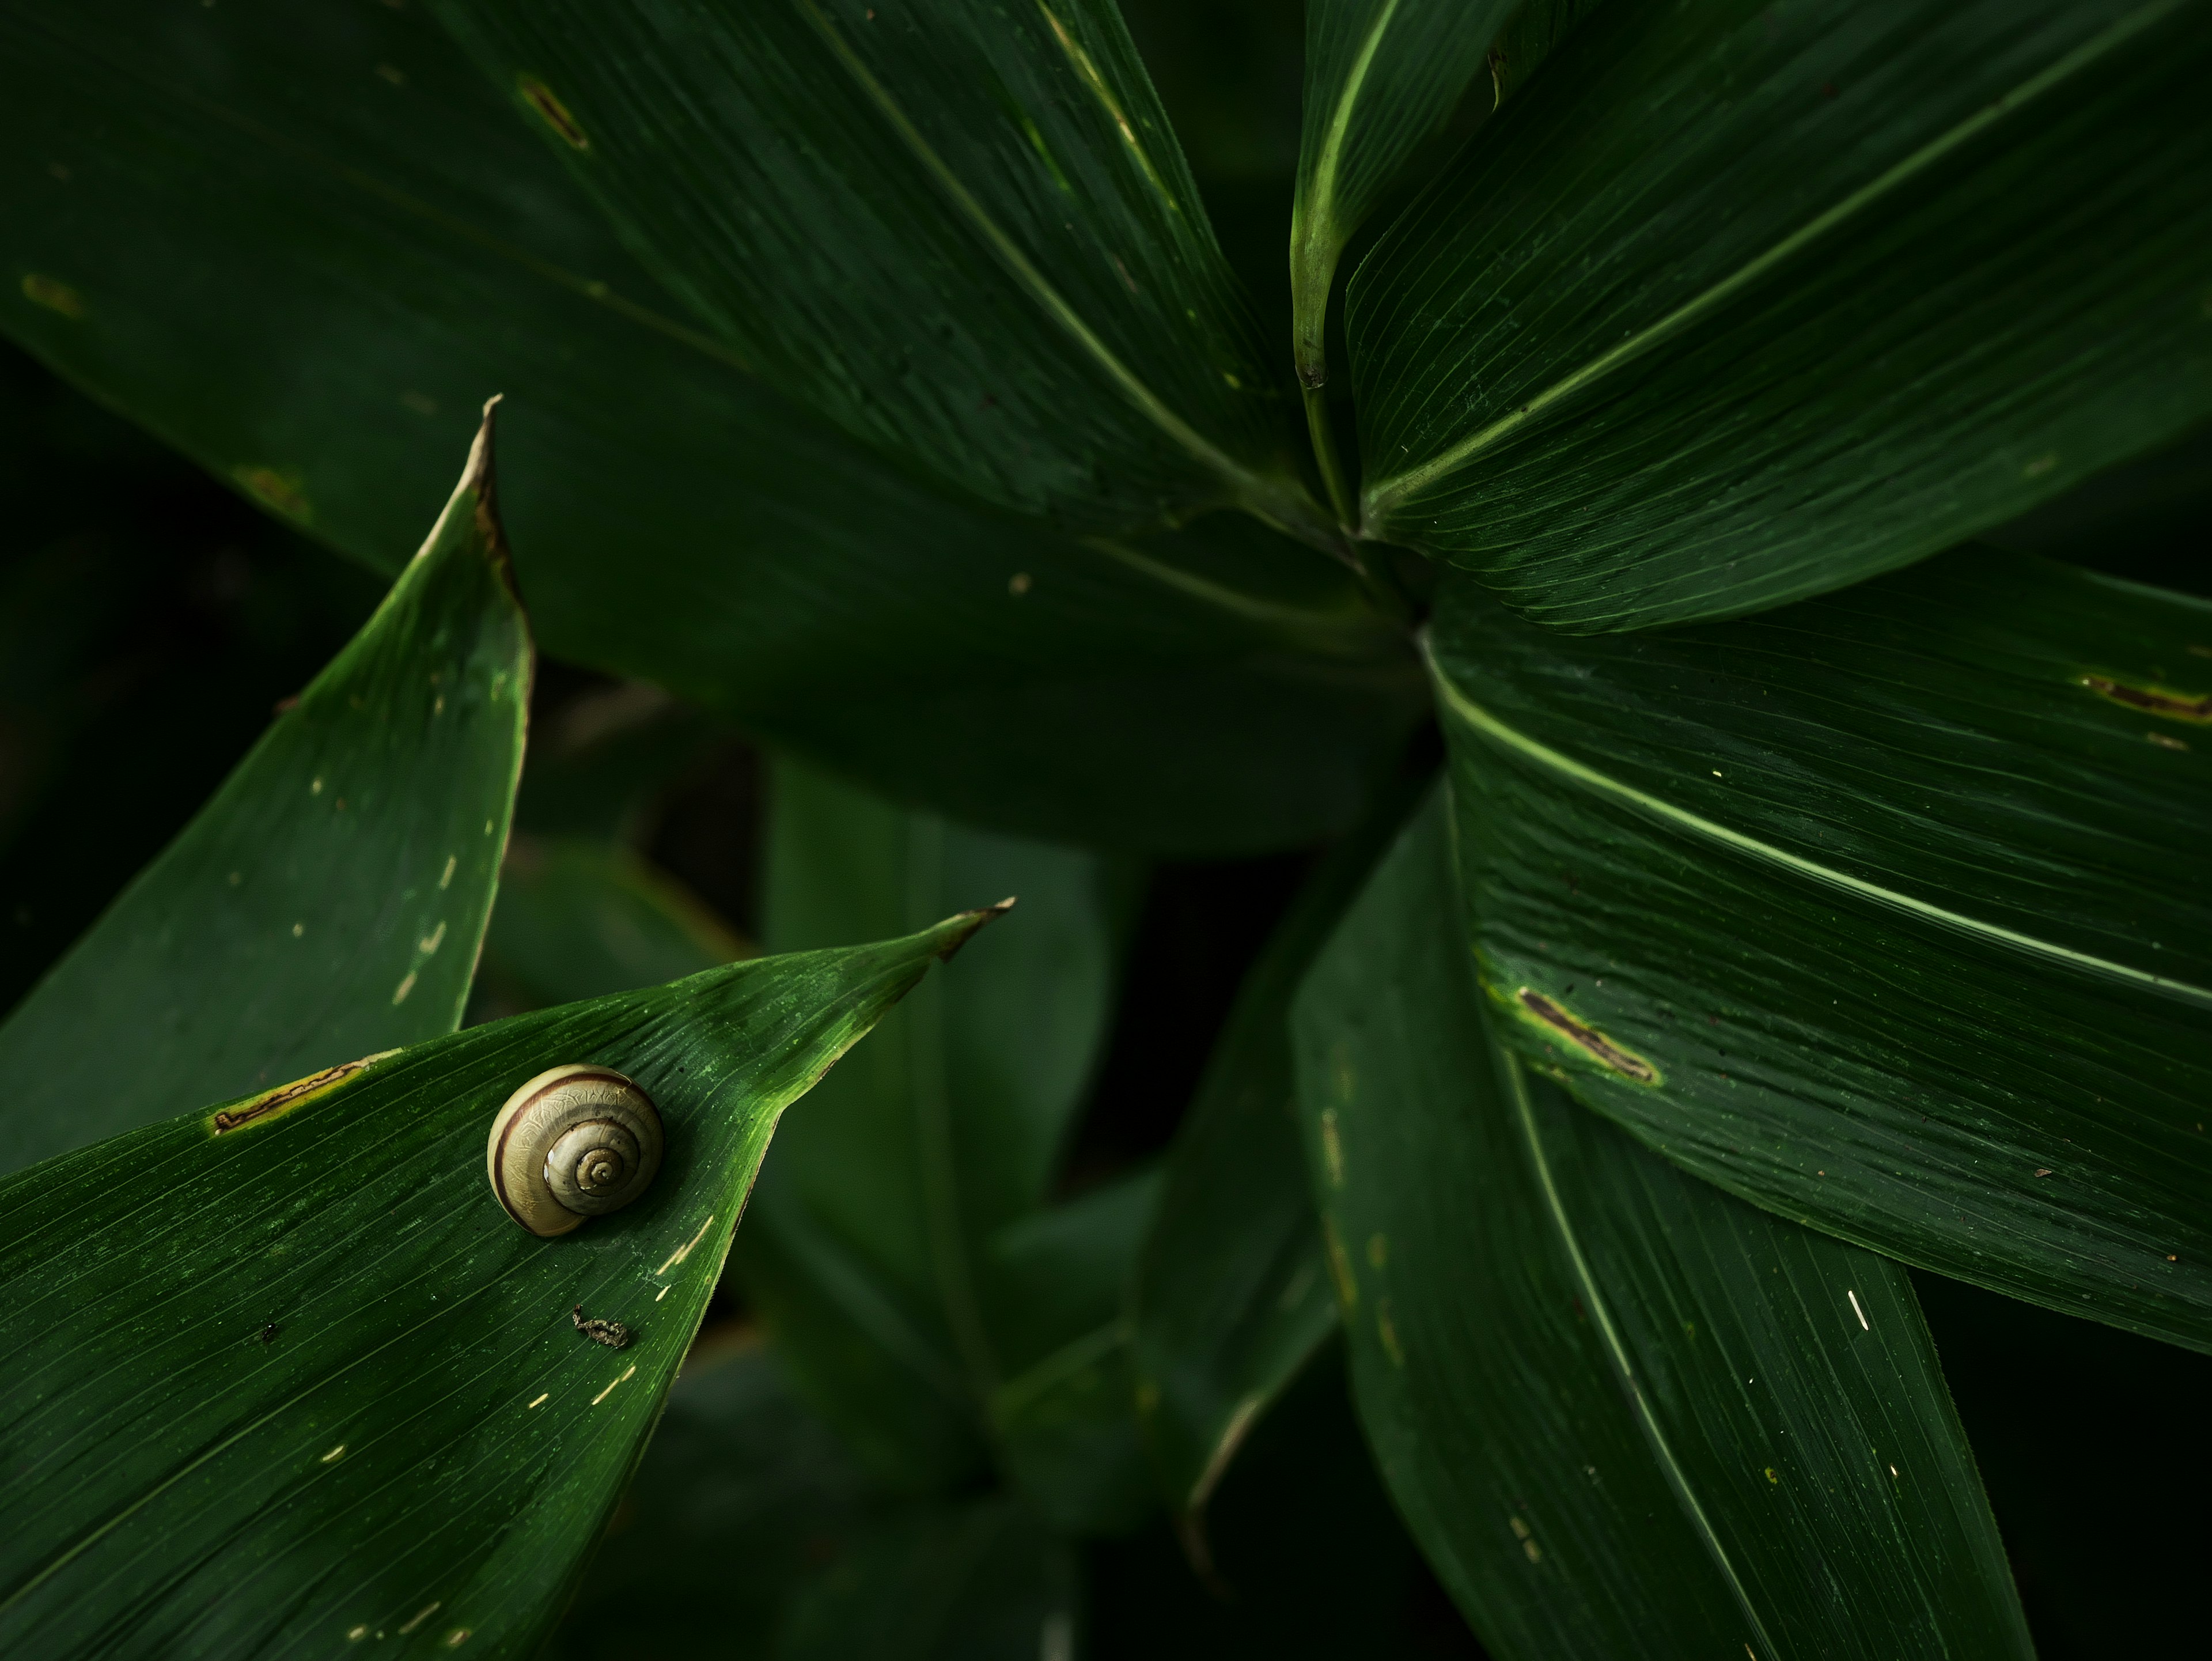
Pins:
x,y
1318,223
1380,497
1033,281
1601,1313
1482,722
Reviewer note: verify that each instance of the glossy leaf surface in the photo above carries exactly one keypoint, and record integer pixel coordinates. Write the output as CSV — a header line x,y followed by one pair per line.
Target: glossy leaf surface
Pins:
x,y
298,1377
1232,1295
1885,911
303,242
1740,304
963,232
872,1259
1381,75
329,899
1624,1413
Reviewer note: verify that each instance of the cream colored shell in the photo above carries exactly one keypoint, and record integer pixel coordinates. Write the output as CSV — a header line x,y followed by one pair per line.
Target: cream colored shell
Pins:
x,y
572,1143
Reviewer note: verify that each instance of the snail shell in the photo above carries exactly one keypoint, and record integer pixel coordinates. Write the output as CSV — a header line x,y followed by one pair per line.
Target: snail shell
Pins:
x,y
574,1142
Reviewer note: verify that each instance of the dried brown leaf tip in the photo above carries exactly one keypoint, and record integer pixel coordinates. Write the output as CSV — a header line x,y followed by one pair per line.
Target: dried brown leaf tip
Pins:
x,y
613,1334
1587,1039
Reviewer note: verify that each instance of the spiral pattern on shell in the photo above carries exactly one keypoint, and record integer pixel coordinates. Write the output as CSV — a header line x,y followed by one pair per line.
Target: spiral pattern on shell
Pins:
x,y
574,1142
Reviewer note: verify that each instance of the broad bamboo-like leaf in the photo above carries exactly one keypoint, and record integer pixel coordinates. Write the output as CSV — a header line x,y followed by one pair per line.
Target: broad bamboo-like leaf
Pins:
x,y
303,242
330,899
871,1257
1231,1296
1626,1414
1381,75
1887,911
962,231
579,919
289,1375
1739,304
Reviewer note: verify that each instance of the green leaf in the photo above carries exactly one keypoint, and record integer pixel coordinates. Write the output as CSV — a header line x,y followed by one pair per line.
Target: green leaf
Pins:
x,y
306,272
1886,912
330,899
1065,1424
748,1533
964,231
738,1498
1232,1294
870,1259
1740,305
289,1380
978,1582
1624,1413
1537,29
1382,76
578,919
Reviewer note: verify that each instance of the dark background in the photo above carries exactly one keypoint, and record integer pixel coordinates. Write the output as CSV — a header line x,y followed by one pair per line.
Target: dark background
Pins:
x,y
151,619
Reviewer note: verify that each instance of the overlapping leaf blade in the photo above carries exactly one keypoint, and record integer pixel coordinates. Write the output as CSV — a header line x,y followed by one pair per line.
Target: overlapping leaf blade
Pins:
x,y
303,242
1624,1413
875,1255
963,232
302,1380
329,899
1885,911
1739,305
1231,1297
1381,76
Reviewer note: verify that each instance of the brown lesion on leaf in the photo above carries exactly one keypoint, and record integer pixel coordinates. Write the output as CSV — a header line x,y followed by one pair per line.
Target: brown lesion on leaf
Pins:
x,y
274,1104
540,96
1555,1019
2153,700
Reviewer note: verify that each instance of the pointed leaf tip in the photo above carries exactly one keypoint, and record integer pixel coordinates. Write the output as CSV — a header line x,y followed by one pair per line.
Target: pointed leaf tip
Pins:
x,y
961,926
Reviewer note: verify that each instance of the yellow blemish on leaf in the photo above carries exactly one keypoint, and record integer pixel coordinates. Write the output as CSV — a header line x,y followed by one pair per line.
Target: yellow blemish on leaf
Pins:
x,y
1342,1073
1388,1333
430,942
298,930
686,1248
2152,700
1549,1017
455,1639
541,1401
280,488
1771,1477
1378,1250
540,96
275,1103
421,1616
354,1634
2167,741
315,789
1018,584
2040,466
1332,1148
399,992
55,296
333,1455
445,878
610,1390
1340,1266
